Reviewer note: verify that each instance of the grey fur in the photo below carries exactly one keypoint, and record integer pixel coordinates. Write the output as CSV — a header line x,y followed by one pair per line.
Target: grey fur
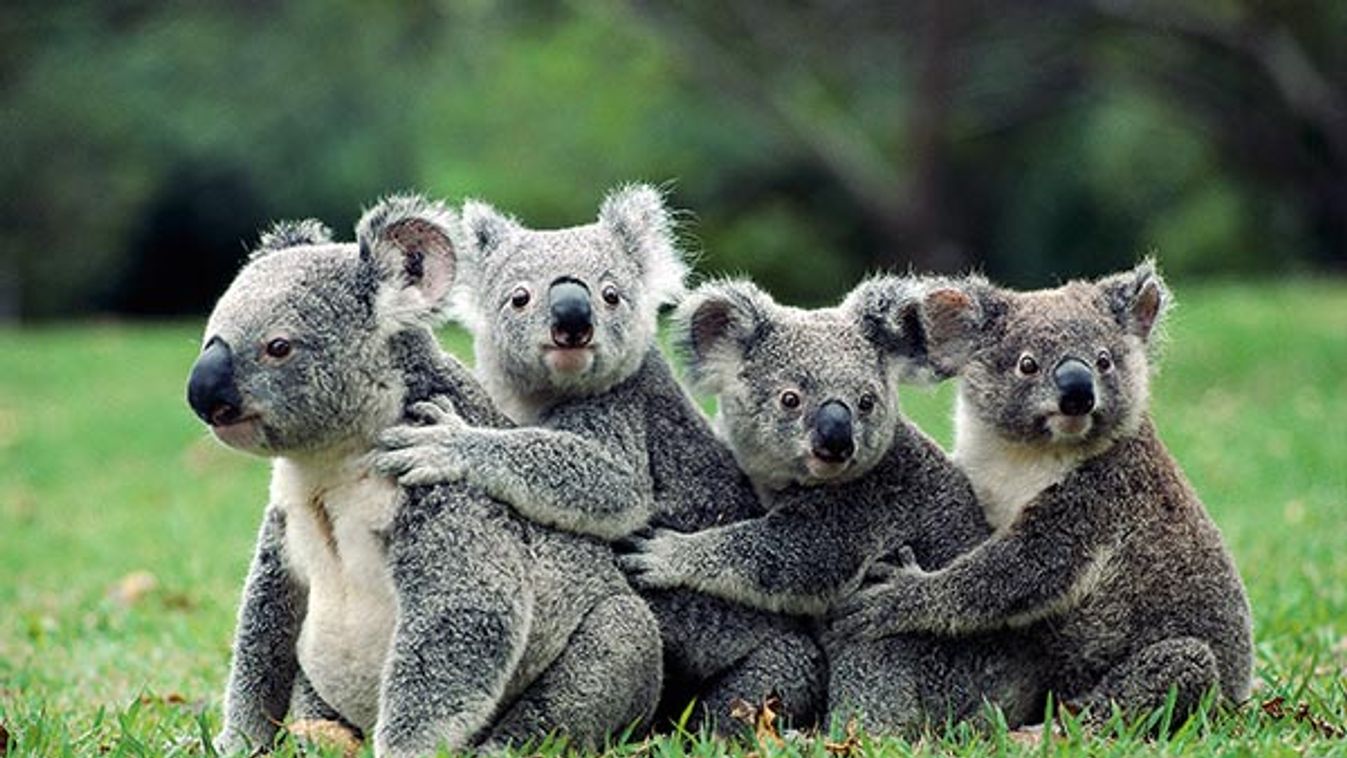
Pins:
x,y
424,617
1103,552
829,524
615,442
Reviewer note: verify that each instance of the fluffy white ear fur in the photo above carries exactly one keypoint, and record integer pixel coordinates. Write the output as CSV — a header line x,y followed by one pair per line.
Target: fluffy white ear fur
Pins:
x,y
412,245
1139,300
644,227
713,326
284,234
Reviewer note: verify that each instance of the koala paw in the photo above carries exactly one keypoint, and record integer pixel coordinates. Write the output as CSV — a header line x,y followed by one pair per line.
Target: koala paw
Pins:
x,y
650,561
876,610
422,455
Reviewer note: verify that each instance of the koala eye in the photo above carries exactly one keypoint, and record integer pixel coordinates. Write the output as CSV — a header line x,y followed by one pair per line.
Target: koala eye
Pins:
x,y
1103,362
867,402
790,399
1027,365
611,295
520,297
279,348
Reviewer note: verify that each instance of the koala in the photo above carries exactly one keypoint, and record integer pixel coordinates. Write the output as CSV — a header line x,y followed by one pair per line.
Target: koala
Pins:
x,y
564,325
808,400
1101,549
429,616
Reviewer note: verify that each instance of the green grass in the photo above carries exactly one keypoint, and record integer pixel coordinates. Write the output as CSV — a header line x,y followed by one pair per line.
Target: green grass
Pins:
x,y
104,472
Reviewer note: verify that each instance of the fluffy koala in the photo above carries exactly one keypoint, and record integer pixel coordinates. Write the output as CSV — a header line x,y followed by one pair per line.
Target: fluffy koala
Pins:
x,y
1102,551
808,401
564,325
432,616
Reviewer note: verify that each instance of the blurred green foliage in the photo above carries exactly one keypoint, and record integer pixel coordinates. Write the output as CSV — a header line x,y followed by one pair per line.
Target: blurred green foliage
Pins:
x,y
145,143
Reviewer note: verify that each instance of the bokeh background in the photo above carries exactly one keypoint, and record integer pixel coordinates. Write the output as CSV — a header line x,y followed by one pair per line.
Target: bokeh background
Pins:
x,y
146,143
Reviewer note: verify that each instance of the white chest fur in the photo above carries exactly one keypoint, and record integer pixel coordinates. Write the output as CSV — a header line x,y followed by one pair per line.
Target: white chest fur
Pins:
x,y
1005,475
336,515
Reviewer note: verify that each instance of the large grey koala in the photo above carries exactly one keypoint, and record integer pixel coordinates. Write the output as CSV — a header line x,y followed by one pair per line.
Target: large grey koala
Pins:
x,y
809,403
564,324
1102,550
431,616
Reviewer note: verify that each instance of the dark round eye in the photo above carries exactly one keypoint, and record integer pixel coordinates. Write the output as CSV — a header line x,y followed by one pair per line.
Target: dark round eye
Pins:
x,y
1103,361
520,297
279,347
867,403
1028,365
610,294
790,399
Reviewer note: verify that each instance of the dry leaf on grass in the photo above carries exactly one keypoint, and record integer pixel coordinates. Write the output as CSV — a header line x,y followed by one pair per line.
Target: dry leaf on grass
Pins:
x,y
172,698
329,735
761,717
1029,736
133,587
848,745
1276,709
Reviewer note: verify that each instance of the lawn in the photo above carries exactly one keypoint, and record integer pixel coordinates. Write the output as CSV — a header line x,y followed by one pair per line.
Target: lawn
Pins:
x,y
125,531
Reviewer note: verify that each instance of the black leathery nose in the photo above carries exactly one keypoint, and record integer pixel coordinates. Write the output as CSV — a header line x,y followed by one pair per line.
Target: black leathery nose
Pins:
x,y
1075,387
572,316
833,439
210,387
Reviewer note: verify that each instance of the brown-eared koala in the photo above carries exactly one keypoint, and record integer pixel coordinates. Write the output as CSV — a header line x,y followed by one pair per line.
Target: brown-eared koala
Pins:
x,y
808,400
1102,551
564,324
427,616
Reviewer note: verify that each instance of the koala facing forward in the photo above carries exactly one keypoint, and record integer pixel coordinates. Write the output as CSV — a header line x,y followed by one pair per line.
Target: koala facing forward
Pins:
x,y
808,400
564,327
1102,550
428,617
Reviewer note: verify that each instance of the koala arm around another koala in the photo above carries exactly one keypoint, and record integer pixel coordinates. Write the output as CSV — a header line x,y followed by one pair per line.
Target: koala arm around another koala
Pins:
x,y
586,472
1041,566
265,662
795,559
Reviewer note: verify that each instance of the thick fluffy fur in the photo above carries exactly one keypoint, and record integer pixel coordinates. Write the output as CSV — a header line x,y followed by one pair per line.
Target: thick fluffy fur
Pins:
x,y
774,370
426,617
1103,552
615,442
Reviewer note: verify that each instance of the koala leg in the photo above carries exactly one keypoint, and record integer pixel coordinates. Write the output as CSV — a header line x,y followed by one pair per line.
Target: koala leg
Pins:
x,y
900,684
1142,682
307,705
787,663
607,679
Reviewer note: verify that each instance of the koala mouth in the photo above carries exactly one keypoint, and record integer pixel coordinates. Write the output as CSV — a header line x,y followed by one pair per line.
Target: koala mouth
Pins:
x,y
820,469
568,361
1064,428
243,433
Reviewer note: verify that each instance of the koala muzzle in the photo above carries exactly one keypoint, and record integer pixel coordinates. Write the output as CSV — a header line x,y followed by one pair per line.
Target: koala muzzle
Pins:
x,y
572,318
210,388
1075,387
832,438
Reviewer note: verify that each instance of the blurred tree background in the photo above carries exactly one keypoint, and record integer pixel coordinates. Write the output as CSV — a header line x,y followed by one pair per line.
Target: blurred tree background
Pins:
x,y
146,143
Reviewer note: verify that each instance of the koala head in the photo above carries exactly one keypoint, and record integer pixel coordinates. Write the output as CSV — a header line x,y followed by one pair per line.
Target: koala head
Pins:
x,y
1065,367
296,356
805,396
571,311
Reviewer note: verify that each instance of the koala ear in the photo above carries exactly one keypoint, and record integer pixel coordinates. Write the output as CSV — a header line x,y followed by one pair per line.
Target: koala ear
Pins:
x,y
888,309
284,234
644,228
1138,299
486,227
955,316
410,241
714,327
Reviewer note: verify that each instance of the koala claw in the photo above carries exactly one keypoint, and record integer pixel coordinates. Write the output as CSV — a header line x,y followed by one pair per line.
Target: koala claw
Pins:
x,y
647,560
438,411
419,466
864,615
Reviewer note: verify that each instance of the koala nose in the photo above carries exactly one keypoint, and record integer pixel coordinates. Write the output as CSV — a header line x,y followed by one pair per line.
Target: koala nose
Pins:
x,y
572,318
832,432
1075,387
210,388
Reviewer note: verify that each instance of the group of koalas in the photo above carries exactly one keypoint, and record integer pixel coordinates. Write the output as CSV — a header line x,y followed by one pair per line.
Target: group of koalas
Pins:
x,y
563,542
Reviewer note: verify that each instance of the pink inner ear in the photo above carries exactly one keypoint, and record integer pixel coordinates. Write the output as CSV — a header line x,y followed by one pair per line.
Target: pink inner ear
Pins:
x,y
428,255
1146,308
